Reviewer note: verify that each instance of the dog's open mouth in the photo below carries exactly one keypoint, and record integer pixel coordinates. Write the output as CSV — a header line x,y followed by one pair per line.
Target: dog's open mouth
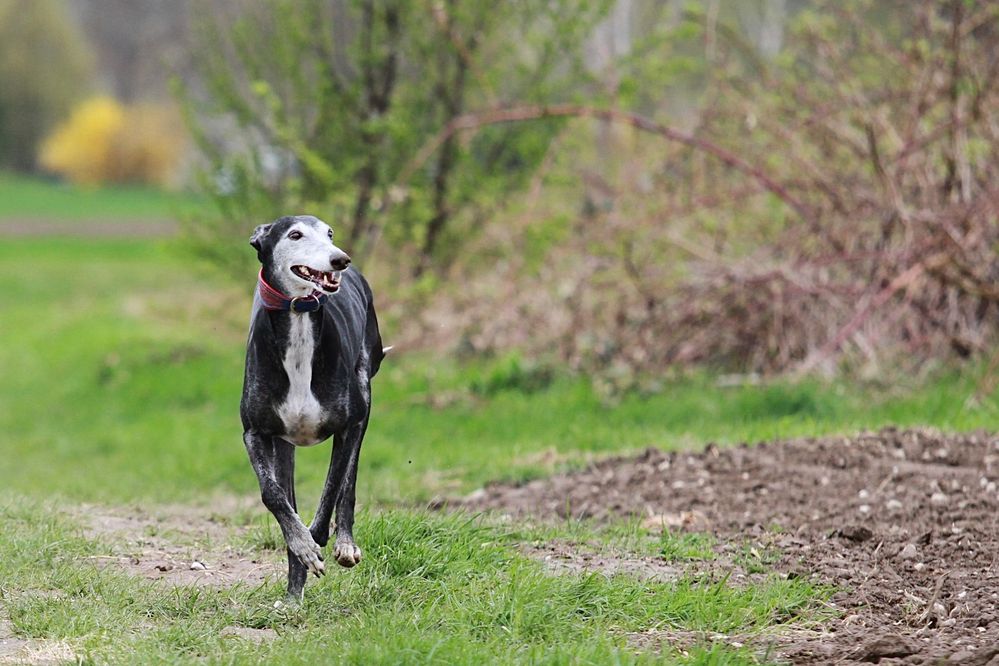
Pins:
x,y
328,281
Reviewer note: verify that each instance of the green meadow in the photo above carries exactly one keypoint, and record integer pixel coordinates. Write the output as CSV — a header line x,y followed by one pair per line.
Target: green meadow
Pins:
x,y
122,368
28,198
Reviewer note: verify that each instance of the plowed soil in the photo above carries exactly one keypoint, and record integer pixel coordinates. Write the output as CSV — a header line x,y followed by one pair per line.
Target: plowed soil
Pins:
x,y
905,524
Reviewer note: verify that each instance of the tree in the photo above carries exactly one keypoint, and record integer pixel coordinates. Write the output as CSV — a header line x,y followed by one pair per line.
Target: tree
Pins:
x,y
45,66
321,105
139,44
833,209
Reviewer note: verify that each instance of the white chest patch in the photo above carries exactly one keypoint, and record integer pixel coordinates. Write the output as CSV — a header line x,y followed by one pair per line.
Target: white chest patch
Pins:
x,y
300,412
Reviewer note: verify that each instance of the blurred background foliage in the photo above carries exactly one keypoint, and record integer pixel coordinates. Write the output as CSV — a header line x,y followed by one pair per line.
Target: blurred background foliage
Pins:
x,y
332,101
592,226
45,62
626,189
105,142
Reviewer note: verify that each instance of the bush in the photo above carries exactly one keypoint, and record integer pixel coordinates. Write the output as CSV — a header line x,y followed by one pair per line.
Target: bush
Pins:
x,y
834,211
511,373
45,66
321,105
80,148
105,142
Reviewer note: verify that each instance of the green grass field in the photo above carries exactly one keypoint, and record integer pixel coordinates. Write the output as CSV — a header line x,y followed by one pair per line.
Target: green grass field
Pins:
x,y
26,198
122,371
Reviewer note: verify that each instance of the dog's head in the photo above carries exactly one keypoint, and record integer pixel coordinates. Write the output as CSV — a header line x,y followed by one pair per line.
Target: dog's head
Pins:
x,y
298,255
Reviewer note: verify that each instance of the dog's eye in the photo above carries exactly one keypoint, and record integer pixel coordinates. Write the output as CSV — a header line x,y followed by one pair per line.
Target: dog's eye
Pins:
x,y
330,234
295,235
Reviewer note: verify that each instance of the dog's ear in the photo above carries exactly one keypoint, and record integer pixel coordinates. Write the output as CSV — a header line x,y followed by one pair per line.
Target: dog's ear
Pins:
x,y
257,238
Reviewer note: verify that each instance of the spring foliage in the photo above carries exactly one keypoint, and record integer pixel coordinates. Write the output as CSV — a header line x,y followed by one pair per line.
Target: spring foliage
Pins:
x,y
330,100
822,201
45,64
104,141
835,211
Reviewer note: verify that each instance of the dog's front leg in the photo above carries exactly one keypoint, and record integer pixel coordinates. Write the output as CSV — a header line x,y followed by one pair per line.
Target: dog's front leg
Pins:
x,y
338,495
270,458
285,473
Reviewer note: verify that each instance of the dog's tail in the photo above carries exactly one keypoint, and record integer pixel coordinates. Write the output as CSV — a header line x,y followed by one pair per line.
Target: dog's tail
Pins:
x,y
377,356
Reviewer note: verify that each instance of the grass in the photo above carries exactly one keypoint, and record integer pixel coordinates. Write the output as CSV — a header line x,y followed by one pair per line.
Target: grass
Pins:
x,y
436,589
28,198
122,373
686,546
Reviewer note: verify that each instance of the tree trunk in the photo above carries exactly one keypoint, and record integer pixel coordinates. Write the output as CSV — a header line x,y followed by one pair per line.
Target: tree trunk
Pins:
x,y
451,92
379,82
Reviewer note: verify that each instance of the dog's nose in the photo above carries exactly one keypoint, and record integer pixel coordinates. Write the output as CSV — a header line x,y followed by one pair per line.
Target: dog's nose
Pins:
x,y
339,262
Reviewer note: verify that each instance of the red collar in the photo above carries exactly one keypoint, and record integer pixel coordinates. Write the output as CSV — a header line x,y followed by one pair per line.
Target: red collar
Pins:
x,y
275,300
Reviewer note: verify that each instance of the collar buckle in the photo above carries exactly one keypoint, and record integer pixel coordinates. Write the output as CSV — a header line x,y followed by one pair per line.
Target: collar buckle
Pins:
x,y
311,304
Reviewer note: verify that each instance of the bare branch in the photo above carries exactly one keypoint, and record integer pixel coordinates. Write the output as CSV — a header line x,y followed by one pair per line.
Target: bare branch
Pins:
x,y
476,120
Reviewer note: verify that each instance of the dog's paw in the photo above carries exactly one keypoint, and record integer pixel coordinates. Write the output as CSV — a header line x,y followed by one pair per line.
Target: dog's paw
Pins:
x,y
346,552
308,552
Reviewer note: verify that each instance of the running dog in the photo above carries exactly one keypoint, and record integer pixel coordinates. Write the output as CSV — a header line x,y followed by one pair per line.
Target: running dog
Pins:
x,y
312,350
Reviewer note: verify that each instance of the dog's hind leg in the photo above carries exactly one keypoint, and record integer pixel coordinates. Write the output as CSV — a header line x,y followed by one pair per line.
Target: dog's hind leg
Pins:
x,y
345,551
297,571
320,527
269,456
338,495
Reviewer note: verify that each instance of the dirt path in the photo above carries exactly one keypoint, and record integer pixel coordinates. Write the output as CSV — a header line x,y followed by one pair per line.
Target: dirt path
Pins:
x,y
181,545
87,228
14,650
904,523
173,545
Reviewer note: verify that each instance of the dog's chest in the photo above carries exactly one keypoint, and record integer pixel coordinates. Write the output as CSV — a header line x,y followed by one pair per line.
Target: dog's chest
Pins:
x,y
301,413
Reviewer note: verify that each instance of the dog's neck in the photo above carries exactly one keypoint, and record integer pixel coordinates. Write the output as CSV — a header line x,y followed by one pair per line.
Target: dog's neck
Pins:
x,y
277,299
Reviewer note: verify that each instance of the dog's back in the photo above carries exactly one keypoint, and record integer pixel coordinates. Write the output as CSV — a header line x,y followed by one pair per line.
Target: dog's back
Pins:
x,y
352,315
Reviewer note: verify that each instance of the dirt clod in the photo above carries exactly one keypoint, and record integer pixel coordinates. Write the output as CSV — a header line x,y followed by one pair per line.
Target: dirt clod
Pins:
x,y
921,560
856,533
887,647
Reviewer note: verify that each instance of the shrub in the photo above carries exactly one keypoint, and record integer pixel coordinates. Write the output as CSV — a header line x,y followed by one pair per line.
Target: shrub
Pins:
x,y
836,211
321,105
45,65
80,148
105,142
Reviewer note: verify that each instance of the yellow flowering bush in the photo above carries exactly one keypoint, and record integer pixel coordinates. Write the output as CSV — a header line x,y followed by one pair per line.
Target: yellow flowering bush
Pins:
x,y
104,141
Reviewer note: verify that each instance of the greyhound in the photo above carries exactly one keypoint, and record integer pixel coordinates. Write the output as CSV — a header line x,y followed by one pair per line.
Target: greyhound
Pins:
x,y
312,350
